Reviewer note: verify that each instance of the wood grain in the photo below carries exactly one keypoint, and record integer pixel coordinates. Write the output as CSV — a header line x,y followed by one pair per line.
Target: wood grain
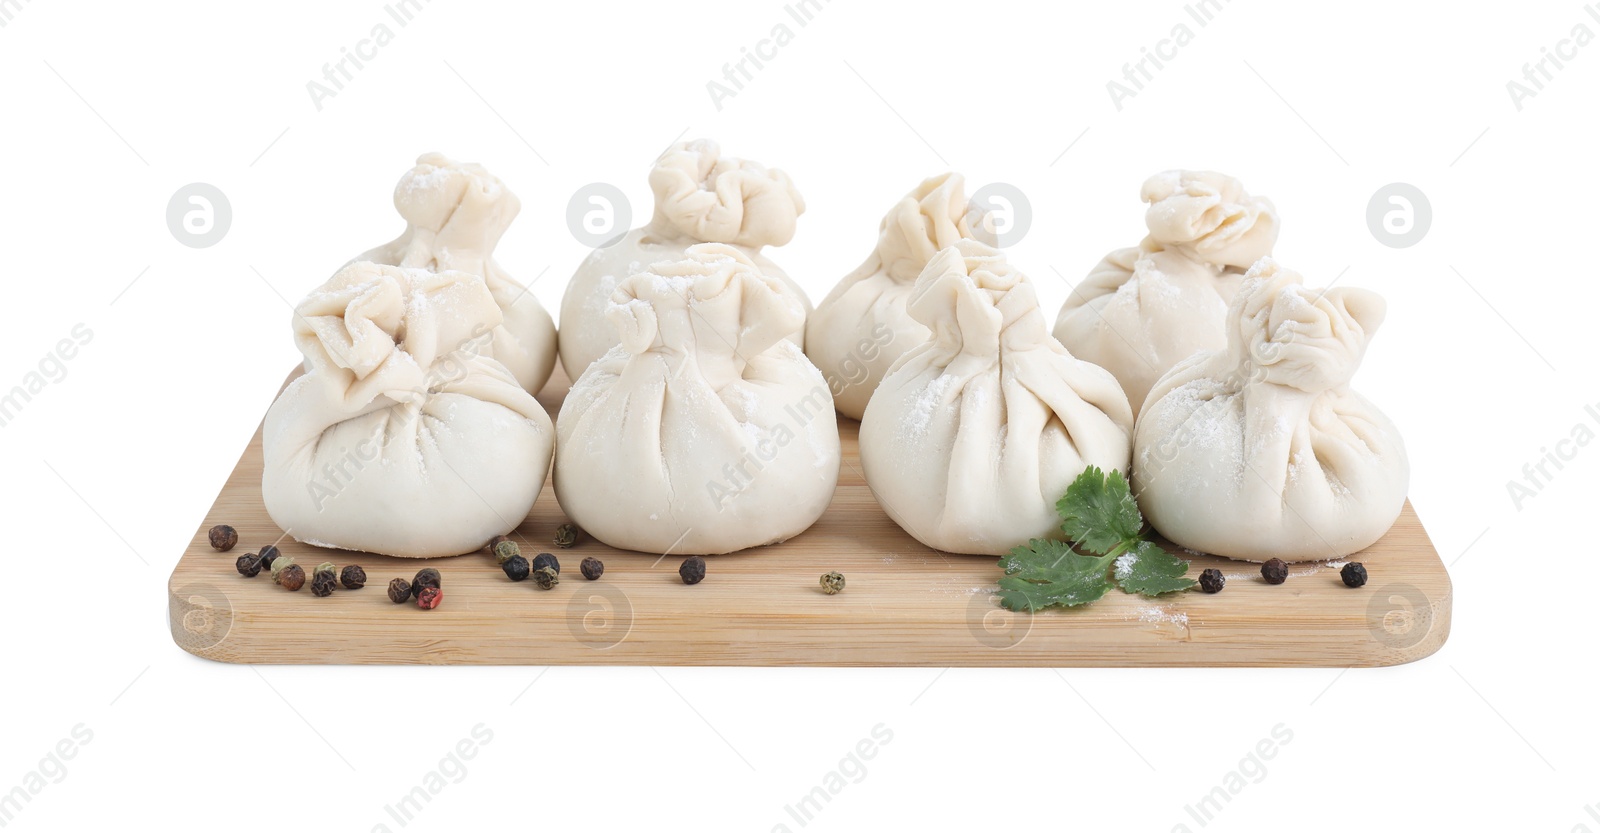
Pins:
x,y
904,603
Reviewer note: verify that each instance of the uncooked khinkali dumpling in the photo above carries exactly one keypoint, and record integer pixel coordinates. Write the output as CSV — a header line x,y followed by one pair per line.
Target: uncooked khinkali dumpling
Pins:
x,y
1261,450
972,437
1143,309
455,215
705,431
701,197
403,437
859,330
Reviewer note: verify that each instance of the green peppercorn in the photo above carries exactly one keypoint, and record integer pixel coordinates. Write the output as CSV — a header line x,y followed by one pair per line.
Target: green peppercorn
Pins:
x,y
1212,580
1354,574
1275,571
546,578
516,568
592,568
832,582
248,565
544,559
426,577
692,570
505,551
399,591
566,536
222,537
353,577
495,542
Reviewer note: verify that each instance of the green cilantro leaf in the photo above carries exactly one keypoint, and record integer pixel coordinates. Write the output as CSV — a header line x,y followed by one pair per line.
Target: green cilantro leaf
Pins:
x,y
1150,570
1046,573
1099,511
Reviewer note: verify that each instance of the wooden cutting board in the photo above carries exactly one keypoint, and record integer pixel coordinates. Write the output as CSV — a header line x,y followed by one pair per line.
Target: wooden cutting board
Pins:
x,y
904,603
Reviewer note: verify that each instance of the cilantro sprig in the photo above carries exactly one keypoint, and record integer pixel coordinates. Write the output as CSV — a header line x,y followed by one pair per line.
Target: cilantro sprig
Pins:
x,y
1100,516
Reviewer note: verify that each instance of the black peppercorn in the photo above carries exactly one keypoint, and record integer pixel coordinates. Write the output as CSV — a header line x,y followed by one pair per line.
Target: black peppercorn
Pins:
x,y
426,577
1354,574
322,582
505,550
832,582
353,577
291,577
546,578
1275,571
692,570
399,591
223,537
566,536
516,568
545,559
1211,580
592,568
248,565
269,554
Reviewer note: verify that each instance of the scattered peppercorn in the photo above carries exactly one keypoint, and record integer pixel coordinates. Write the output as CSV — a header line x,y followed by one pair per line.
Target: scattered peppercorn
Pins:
x,y
269,554
322,582
516,568
546,578
1354,574
399,591
426,577
566,536
1275,571
278,564
429,598
353,577
832,582
223,537
592,568
692,570
248,565
292,577
545,559
495,542
1211,580
505,551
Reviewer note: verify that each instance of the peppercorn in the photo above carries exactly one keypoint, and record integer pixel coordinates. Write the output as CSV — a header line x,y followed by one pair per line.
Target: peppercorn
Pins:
x,y
495,542
1354,574
505,551
832,582
545,559
248,565
1211,581
292,577
546,578
399,591
592,568
223,537
278,564
322,582
692,570
516,568
426,577
566,536
429,598
269,554
353,577
1275,571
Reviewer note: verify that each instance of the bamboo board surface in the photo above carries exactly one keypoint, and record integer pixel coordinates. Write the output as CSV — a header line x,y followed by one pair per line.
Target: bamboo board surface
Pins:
x,y
904,604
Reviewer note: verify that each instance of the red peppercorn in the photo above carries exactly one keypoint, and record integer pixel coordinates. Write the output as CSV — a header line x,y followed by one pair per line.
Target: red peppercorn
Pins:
x,y
429,598
222,537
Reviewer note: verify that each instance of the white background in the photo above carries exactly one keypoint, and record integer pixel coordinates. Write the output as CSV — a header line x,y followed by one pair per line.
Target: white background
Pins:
x,y
1487,357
